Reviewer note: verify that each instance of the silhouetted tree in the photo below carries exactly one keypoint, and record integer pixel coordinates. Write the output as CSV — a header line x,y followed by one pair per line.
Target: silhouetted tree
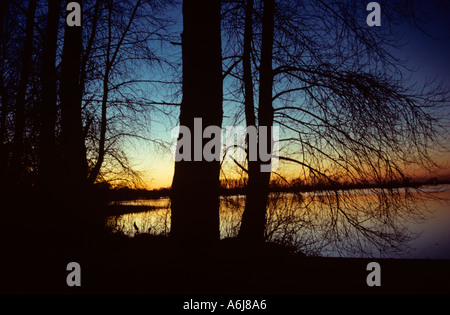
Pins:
x,y
254,217
340,98
119,73
74,153
48,166
111,55
4,95
17,167
113,88
194,196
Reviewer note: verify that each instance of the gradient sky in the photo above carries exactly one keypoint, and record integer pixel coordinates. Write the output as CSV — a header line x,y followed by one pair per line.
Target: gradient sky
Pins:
x,y
431,58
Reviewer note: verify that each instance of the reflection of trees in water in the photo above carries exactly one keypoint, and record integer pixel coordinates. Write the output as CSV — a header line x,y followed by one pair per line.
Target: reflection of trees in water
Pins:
x,y
364,222
231,209
155,222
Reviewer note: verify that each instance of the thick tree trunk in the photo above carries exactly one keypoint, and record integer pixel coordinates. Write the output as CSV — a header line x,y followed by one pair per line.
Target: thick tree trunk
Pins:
x,y
19,128
74,152
254,216
47,146
195,199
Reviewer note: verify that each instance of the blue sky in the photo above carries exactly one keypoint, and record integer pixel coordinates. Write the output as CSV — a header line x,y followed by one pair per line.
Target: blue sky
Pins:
x,y
431,58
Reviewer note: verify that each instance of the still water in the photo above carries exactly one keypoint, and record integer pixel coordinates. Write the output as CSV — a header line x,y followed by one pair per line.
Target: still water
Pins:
x,y
353,223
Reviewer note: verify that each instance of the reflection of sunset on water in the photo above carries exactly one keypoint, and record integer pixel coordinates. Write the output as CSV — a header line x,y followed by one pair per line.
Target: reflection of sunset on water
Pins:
x,y
306,223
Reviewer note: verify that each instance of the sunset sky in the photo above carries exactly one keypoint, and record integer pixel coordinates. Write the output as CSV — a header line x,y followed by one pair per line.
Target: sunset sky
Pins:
x,y
429,56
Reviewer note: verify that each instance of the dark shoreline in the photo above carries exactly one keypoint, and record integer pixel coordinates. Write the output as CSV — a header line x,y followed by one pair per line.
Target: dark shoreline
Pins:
x,y
155,266
112,194
35,253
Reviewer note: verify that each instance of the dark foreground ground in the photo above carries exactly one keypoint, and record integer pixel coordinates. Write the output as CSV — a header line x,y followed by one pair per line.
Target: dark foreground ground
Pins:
x,y
34,256
148,265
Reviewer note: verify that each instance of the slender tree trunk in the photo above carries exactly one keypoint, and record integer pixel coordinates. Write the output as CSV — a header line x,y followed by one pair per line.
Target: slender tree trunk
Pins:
x,y
250,118
3,145
254,216
47,147
4,97
90,44
195,199
110,60
101,146
84,63
74,152
19,128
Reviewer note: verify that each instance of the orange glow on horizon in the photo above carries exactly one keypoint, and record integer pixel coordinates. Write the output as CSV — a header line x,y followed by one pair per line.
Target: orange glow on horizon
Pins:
x,y
157,170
